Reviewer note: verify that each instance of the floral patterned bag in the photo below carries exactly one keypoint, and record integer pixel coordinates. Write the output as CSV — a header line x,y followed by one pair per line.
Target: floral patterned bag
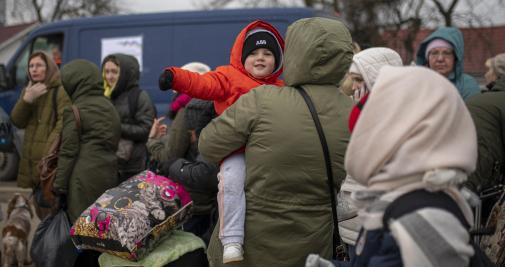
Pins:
x,y
129,220
494,245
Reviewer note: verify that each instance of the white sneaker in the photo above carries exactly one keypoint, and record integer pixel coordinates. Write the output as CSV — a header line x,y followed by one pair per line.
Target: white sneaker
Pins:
x,y
233,252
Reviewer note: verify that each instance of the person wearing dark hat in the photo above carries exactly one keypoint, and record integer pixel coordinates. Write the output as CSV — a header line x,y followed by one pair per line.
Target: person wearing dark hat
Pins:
x,y
287,193
256,59
261,38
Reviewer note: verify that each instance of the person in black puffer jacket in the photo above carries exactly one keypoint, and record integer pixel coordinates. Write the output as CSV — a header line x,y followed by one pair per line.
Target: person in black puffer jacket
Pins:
x,y
136,112
198,176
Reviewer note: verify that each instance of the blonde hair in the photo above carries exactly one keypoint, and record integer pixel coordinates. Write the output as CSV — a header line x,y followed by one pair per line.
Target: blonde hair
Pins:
x,y
346,83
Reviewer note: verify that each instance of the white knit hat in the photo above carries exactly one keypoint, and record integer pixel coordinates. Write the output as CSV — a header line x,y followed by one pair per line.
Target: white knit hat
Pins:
x,y
369,62
196,67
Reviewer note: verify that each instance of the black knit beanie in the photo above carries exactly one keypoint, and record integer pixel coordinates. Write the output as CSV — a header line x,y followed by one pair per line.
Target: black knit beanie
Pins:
x,y
262,39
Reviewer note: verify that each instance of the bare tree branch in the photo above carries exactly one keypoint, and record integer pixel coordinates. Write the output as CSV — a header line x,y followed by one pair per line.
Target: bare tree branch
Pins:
x,y
446,14
56,9
38,10
52,10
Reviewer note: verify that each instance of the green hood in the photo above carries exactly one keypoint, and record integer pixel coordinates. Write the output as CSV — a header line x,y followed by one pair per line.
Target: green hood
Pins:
x,y
129,73
318,51
466,84
81,77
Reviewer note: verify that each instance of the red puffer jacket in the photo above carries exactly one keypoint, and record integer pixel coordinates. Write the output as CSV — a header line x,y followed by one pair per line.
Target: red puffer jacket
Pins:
x,y
227,83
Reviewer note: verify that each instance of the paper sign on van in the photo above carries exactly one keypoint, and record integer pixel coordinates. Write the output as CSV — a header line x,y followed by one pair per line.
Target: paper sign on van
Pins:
x,y
130,45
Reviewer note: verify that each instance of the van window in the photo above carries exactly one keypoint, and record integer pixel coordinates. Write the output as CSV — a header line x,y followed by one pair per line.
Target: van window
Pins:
x,y
51,44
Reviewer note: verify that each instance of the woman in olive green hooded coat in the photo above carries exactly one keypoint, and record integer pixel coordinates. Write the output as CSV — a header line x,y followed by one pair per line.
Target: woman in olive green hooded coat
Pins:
x,y
39,111
87,163
37,117
288,212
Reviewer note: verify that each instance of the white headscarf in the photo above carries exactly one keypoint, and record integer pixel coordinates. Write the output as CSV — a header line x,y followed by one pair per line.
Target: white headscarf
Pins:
x,y
413,123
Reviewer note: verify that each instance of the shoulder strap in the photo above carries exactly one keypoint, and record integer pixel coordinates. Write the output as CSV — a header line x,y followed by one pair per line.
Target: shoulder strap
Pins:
x,y
55,105
329,172
77,117
133,97
419,199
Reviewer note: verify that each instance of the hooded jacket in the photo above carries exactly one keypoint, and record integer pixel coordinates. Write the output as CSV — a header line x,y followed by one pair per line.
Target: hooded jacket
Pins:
x,y
488,114
134,127
466,84
227,83
42,127
87,163
288,212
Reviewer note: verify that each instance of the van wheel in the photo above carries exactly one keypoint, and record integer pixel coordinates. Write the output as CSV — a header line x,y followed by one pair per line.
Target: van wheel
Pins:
x,y
8,165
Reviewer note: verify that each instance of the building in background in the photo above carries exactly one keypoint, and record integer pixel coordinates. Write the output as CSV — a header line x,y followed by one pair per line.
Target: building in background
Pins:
x,y
480,44
11,37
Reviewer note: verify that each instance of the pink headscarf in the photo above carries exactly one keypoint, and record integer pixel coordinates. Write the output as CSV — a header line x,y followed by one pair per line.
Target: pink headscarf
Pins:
x,y
436,43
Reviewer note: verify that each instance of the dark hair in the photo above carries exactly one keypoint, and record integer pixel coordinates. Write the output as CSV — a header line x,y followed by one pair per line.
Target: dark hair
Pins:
x,y
111,58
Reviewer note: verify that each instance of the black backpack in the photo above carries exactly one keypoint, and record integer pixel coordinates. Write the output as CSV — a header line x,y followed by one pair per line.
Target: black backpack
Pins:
x,y
419,199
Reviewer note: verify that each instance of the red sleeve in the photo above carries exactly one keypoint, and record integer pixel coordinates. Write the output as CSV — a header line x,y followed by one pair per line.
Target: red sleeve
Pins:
x,y
355,112
212,85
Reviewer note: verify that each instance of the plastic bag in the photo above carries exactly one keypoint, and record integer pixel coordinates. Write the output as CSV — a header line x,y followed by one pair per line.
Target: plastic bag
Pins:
x,y
51,245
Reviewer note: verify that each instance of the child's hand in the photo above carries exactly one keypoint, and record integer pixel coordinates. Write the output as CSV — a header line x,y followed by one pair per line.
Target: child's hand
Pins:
x,y
34,91
158,129
165,81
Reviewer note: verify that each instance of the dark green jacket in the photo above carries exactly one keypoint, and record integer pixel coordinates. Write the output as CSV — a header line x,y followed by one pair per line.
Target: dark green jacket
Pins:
x,y
466,84
488,113
87,163
288,212
175,144
134,127
42,127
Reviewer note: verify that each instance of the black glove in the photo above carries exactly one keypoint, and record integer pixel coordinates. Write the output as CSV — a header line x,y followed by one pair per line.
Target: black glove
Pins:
x,y
165,81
